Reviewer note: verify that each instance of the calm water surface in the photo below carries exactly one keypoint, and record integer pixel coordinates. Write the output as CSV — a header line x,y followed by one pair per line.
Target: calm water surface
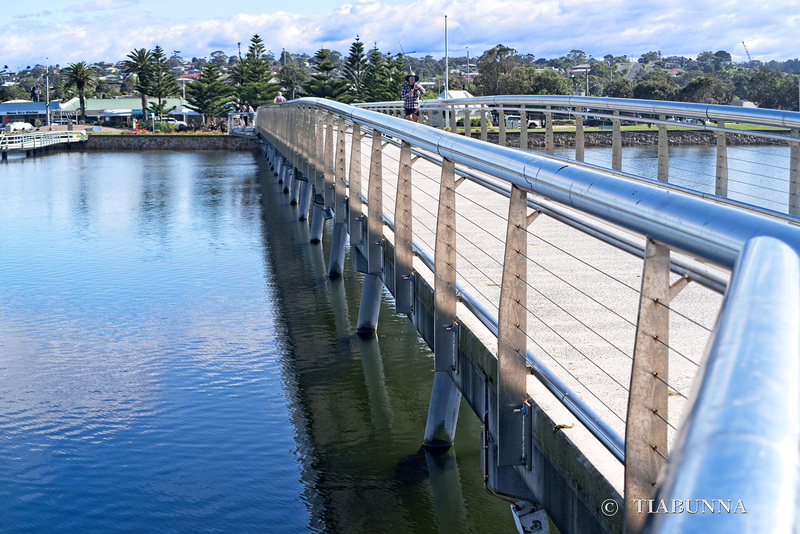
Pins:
x,y
174,359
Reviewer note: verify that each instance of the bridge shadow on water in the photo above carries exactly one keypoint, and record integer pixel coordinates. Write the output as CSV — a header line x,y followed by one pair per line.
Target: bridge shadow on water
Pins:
x,y
359,406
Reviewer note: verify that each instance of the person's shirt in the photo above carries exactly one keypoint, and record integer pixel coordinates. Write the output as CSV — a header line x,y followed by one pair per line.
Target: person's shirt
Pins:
x,y
279,98
410,95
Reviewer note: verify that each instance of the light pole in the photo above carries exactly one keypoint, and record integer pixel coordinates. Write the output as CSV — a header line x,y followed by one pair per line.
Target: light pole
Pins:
x,y
47,91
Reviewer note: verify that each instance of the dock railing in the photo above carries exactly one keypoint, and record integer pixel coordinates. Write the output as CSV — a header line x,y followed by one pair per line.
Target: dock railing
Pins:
x,y
36,140
683,239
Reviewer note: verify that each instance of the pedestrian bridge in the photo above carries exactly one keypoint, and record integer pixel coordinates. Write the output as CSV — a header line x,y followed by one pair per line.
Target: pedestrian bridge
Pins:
x,y
33,142
630,345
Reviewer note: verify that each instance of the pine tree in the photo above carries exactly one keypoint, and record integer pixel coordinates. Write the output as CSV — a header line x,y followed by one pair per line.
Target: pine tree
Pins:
x,y
253,76
139,63
161,82
323,84
208,95
376,79
355,68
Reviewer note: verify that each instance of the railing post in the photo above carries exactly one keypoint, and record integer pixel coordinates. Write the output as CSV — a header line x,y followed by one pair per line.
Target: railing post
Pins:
x,y
375,206
484,131
317,219
616,144
501,125
549,143
445,276
523,129
512,370
646,427
445,396
580,140
372,288
403,235
467,122
328,170
794,176
663,151
721,188
339,238
355,187
440,116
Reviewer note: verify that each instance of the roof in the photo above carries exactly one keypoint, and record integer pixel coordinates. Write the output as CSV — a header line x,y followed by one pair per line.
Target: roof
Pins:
x,y
455,94
94,105
21,107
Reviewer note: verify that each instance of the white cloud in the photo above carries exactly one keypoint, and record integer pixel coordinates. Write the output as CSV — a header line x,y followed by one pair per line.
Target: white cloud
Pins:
x,y
546,28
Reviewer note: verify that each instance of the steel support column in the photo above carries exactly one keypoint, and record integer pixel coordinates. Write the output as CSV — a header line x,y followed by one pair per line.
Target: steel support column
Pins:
x,y
523,129
501,125
580,139
549,143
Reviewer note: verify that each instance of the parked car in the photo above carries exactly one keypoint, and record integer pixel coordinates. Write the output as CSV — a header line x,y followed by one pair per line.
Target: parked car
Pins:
x,y
17,127
172,120
64,120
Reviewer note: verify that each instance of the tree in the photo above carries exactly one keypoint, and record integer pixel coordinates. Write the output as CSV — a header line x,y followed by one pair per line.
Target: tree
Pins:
x,y
376,79
649,57
254,74
80,76
208,94
292,77
619,88
323,84
492,63
707,90
655,86
355,67
772,89
139,64
549,82
219,58
161,83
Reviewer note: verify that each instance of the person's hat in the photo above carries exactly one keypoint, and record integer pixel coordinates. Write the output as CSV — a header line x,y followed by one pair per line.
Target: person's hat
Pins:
x,y
412,75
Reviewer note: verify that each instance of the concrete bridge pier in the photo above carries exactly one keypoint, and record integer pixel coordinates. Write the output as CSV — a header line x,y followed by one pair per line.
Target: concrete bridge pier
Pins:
x,y
294,193
440,429
279,168
370,307
305,200
288,169
338,244
5,156
317,223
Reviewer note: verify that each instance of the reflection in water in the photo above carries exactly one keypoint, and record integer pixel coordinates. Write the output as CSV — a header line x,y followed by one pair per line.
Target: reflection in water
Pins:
x,y
364,402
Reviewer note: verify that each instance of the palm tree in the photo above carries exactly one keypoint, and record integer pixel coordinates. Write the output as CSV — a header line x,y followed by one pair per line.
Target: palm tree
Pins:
x,y
81,76
140,63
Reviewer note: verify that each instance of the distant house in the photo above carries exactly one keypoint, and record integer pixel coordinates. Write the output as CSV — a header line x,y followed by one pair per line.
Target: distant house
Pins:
x,y
579,70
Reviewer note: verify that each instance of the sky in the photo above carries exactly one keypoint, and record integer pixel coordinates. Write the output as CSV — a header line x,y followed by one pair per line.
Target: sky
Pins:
x,y
66,31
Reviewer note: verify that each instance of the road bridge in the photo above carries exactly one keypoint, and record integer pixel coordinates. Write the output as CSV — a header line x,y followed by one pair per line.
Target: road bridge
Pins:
x,y
629,345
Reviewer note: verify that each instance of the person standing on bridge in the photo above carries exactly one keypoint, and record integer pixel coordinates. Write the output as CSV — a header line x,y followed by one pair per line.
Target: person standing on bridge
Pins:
x,y
280,98
410,94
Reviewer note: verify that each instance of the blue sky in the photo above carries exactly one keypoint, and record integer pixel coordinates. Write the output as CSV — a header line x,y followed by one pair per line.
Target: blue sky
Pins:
x,y
91,30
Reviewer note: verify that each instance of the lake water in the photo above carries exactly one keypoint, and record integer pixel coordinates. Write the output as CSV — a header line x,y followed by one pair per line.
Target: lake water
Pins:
x,y
174,359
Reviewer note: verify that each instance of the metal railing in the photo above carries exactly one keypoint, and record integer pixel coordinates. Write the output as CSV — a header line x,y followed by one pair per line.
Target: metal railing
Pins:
x,y
669,221
31,141
780,187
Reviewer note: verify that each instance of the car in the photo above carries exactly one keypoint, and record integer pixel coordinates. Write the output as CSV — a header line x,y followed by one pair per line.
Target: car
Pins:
x,y
18,127
176,122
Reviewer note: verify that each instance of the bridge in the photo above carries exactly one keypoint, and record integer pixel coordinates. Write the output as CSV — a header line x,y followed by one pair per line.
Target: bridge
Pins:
x,y
630,345
34,142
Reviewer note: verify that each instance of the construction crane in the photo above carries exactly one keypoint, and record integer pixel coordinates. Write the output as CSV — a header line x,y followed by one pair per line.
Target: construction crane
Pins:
x,y
749,59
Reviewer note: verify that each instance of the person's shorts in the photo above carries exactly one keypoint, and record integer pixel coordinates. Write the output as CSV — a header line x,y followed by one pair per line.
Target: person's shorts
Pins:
x,y
412,112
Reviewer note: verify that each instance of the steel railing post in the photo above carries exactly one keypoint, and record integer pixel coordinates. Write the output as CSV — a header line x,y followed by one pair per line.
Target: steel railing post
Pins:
x,y
523,129
328,170
549,143
484,131
339,238
375,206
501,125
580,140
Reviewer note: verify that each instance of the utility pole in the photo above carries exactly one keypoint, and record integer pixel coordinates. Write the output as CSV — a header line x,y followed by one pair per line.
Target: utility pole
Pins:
x,y
446,62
